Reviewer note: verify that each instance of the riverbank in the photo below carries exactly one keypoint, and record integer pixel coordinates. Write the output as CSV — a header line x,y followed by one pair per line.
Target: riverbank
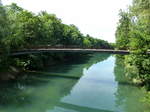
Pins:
x,y
10,74
17,65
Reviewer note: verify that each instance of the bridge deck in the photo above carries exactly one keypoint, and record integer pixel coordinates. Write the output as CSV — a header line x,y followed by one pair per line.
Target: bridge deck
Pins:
x,y
33,51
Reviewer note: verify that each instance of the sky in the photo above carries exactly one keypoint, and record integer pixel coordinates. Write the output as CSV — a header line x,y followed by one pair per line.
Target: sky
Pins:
x,y
98,18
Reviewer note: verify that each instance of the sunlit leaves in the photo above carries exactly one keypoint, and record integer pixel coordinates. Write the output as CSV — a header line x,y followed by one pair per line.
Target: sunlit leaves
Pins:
x,y
138,40
123,30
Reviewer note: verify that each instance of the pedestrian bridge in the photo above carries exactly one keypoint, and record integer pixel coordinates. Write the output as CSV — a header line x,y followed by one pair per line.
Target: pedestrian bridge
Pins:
x,y
43,50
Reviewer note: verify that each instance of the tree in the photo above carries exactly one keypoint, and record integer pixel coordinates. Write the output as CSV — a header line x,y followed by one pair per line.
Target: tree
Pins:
x,y
141,25
136,26
123,31
24,28
3,25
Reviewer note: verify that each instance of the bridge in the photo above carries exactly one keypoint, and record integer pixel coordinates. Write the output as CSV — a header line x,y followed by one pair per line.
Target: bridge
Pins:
x,y
44,50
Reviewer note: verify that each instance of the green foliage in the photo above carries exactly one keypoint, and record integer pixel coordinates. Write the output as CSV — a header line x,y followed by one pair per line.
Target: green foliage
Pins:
x,y
138,67
123,30
71,36
133,32
4,29
21,29
27,30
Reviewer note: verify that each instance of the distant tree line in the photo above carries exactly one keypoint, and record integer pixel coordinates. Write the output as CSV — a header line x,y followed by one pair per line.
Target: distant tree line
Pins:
x,y
20,29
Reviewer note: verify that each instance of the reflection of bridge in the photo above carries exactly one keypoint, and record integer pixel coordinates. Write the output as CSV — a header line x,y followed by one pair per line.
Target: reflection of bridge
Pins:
x,y
43,50
78,108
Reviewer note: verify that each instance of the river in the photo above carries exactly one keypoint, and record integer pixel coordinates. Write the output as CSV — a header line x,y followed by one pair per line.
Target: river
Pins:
x,y
96,84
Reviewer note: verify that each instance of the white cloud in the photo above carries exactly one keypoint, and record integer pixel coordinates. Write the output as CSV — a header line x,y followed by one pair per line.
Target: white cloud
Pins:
x,y
95,17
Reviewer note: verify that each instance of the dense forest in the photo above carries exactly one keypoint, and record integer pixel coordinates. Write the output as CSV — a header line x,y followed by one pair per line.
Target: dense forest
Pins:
x,y
133,33
22,29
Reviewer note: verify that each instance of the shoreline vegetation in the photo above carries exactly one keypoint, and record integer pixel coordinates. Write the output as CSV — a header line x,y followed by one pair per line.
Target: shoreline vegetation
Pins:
x,y
22,29
133,33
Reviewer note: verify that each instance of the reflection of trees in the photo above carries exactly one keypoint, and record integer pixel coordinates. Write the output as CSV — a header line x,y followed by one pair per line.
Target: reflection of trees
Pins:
x,y
128,96
16,94
84,60
119,77
119,70
97,57
57,82
11,94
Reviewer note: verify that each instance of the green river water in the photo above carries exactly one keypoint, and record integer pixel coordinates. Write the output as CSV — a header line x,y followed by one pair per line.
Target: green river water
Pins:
x,y
96,84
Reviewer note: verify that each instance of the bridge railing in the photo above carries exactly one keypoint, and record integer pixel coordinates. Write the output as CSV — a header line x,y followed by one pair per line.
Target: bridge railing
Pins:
x,y
64,46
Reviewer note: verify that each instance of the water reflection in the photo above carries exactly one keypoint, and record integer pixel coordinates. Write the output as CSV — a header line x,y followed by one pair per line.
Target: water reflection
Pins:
x,y
104,88
94,85
36,92
128,96
95,89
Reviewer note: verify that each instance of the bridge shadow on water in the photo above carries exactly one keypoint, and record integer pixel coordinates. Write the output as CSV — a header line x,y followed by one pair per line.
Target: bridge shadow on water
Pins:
x,y
16,94
61,78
